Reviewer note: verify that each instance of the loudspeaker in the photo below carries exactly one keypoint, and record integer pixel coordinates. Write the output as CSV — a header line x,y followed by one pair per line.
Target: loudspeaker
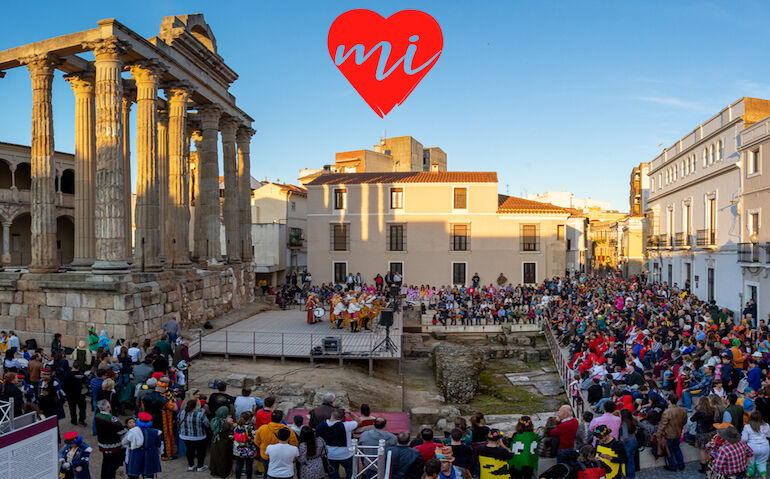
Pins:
x,y
394,291
331,344
386,318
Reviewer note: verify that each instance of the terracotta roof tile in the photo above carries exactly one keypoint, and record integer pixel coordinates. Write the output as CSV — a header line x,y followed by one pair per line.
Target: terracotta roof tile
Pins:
x,y
511,204
406,177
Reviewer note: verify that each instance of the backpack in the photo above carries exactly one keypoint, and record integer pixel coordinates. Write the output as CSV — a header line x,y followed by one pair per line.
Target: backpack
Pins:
x,y
240,435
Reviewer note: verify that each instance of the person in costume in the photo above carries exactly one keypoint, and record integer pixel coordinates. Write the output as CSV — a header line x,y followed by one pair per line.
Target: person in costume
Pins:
x,y
109,432
162,408
524,444
74,457
93,340
312,303
144,456
611,452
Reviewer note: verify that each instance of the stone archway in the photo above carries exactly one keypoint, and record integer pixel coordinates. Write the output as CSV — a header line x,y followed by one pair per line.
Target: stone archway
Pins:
x,y
23,176
21,250
67,182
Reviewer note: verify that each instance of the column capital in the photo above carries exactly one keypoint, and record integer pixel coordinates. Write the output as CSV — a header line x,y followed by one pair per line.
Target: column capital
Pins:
x,y
163,116
147,72
209,116
82,82
40,64
244,133
110,48
228,125
177,89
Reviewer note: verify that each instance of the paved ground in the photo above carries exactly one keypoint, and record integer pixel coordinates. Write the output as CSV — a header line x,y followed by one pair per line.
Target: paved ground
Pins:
x,y
287,333
690,472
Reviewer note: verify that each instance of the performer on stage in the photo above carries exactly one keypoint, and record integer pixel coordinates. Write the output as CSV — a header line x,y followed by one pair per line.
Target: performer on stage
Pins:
x,y
312,303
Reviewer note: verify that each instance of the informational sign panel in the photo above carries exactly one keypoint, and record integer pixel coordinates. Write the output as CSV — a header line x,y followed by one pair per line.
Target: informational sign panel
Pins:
x,y
30,452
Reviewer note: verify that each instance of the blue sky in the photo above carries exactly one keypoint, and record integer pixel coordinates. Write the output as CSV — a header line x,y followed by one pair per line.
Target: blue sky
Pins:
x,y
551,95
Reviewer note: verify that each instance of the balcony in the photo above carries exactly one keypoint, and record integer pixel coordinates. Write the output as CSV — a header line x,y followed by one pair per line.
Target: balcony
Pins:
x,y
295,241
754,253
653,242
706,238
679,240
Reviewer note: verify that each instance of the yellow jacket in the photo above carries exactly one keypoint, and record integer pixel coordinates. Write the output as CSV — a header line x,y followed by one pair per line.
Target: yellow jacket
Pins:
x,y
265,436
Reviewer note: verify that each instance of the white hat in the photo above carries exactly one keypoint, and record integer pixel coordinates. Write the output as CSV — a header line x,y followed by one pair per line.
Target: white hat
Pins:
x,y
756,354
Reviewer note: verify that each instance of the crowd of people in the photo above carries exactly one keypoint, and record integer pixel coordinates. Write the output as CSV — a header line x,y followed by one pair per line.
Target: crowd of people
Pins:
x,y
652,365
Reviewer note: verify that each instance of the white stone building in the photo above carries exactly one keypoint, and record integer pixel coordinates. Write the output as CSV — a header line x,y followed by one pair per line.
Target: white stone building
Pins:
x,y
693,220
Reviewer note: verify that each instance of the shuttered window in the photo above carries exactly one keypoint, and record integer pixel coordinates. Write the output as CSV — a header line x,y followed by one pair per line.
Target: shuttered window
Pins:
x,y
460,237
460,201
340,237
530,240
396,237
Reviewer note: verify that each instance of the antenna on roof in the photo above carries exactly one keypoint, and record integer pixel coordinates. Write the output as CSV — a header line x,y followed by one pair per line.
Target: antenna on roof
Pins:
x,y
506,188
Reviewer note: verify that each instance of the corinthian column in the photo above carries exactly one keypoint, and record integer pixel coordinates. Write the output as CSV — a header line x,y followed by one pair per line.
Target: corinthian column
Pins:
x,y
228,126
178,218
147,241
85,169
209,184
199,246
43,211
163,171
243,140
110,197
129,97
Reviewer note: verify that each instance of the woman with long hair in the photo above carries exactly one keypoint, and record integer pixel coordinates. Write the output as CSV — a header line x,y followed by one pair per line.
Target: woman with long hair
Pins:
x,y
628,427
10,363
755,434
244,449
312,454
704,429
10,389
193,428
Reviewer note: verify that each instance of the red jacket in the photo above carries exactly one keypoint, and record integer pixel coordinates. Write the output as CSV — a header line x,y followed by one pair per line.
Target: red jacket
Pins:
x,y
566,432
427,450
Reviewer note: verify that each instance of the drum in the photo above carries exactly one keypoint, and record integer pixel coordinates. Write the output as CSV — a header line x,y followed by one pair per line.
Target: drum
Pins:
x,y
319,312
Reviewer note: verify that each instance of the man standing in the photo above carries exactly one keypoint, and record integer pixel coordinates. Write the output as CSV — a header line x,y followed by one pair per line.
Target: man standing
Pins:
x,y
566,431
109,432
163,410
33,371
338,436
13,342
282,456
172,329
220,398
405,462
322,412
372,437
73,384
670,428
267,435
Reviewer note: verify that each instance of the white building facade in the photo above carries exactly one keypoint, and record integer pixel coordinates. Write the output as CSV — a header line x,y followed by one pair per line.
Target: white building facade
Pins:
x,y
693,220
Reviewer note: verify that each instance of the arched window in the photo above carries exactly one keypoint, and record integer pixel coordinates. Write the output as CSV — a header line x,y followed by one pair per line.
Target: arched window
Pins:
x,y
720,150
68,182
5,175
705,157
712,154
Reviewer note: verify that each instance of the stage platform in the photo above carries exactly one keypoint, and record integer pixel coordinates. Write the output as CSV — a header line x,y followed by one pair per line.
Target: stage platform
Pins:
x,y
286,334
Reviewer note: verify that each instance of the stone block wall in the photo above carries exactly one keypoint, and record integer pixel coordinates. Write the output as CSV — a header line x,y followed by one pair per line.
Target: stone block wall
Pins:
x,y
132,306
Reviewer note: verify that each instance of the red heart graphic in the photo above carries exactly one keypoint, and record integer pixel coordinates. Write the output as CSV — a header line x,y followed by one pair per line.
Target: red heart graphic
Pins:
x,y
385,58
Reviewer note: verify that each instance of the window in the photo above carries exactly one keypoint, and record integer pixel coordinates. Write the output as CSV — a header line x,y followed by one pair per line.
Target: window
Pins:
x,y
754,221
710,276
652,184
753,166
529,271
294,206
660,180
396,267
460,200
458,273
687,222
295,237
720,150
340,237
705,157
559,232
340,272
569,244
460,236
340,199
396,235
712,154
529,238
396,198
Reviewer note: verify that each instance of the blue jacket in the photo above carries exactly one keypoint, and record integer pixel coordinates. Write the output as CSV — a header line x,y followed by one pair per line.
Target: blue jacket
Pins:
x,y
754,378
145,461
78,468
405,463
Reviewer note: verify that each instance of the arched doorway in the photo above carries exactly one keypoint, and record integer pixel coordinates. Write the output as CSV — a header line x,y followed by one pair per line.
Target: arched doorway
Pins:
x,y
21,250
65,239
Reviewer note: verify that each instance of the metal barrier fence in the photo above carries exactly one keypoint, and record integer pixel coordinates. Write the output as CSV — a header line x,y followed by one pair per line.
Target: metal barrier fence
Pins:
x,y
371,463
571,386
296,344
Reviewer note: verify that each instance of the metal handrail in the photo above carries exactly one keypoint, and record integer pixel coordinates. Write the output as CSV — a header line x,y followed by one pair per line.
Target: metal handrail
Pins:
x,y
377,462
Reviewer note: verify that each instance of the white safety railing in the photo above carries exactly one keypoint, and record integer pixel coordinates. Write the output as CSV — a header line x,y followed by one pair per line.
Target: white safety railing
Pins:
x,y
370,461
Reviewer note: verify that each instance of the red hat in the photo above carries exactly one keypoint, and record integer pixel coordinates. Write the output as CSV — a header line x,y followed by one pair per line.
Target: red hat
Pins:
x,y
70,436
145,417
725,341
157,375
45,370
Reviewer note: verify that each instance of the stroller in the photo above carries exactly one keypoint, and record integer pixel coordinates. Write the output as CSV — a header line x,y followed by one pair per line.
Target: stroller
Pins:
x,y
567,469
